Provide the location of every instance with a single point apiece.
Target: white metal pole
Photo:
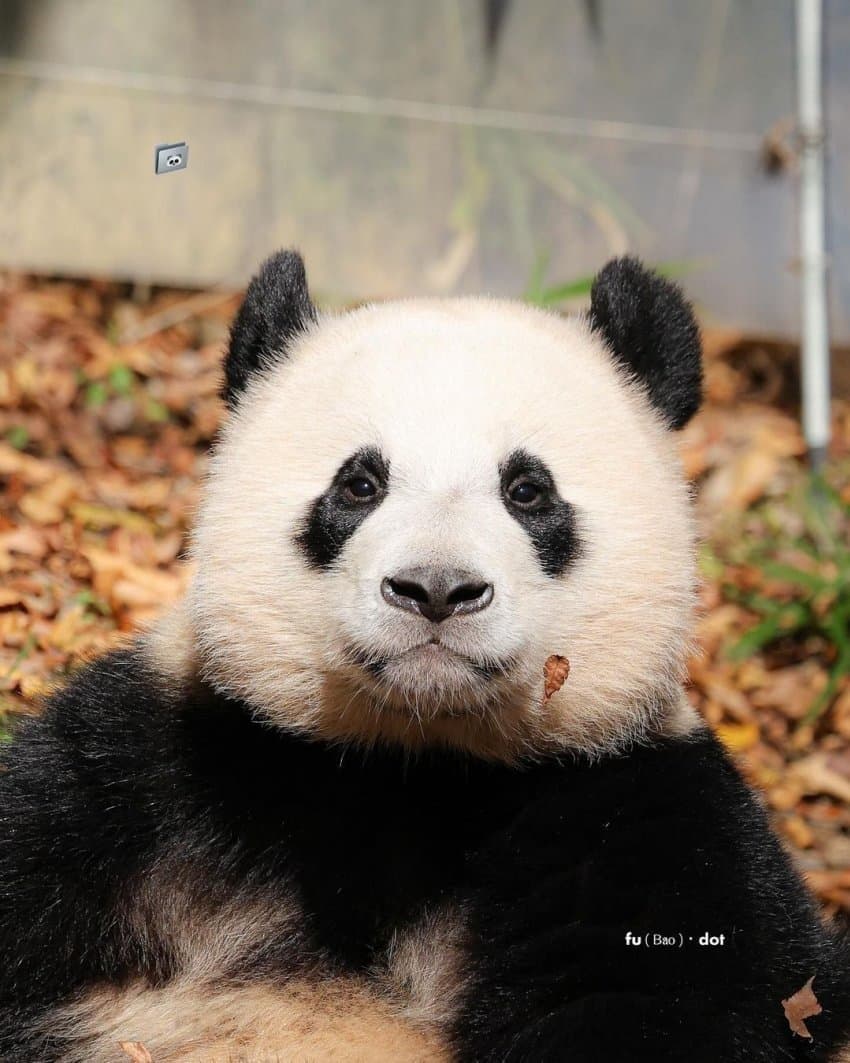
(815, 330)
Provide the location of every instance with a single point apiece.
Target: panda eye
(526, 494)
(360, 489)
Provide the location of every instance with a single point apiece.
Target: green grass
(801, 560)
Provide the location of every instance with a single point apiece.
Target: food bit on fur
(555, 672)
(802, 1005)
(136, 1051)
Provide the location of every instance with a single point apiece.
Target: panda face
(421, 503)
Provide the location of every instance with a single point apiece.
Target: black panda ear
(276, 308)
(650, 328)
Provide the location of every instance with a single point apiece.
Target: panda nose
(437, 593)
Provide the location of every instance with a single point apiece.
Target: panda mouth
(424, 653)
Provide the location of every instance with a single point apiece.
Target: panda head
(414, 504)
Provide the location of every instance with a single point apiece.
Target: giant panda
(327, 808)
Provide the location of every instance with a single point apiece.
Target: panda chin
(433, 678)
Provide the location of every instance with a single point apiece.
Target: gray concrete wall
(378, 138)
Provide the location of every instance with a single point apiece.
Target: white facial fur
(446, 391)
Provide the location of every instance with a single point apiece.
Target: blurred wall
(384, 141)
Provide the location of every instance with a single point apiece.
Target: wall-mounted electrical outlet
(172, 157)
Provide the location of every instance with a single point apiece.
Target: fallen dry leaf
(107, 517)
(738, 737)
(738, 484)
(555, 672)
(817, 776)
(802, 1005)
(798, 831)
(9, 597)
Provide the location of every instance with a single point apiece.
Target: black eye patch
(357, 489)
(531, 497)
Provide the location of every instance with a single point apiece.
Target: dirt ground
(109, 399)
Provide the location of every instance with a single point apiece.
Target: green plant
(18, 436)
(92, 603)
(120, 381)
(539, 293)
(798, 582)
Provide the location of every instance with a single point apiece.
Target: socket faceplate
(170, 157)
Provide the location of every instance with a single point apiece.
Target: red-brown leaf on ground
(555, 672)
(799, 1006)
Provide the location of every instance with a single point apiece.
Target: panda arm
(77, 822)
(666, 841)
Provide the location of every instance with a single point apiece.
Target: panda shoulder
(108, 719)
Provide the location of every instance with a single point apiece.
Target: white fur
(339, 1019)
(446, 390)
(218, 1004)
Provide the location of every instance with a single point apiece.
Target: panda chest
(250, 985)
(365, 879)
(369, 876)
(339, 940)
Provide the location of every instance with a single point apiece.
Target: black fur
(554, 864)
(276, 308)
(552, 528)
(333, 517)
(650, 329)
